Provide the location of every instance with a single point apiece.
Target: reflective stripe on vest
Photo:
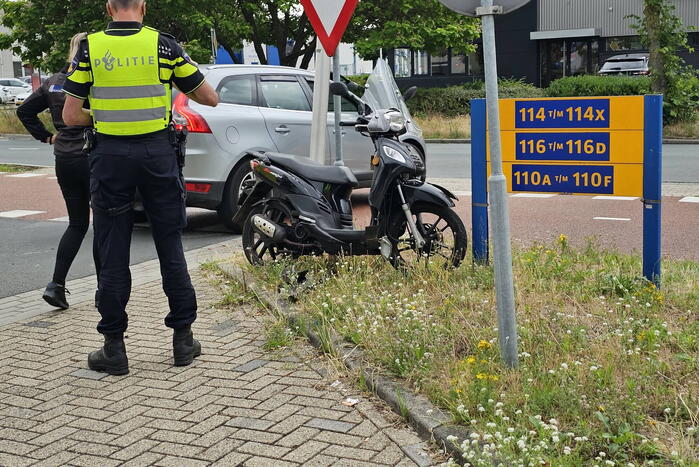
(127, 96)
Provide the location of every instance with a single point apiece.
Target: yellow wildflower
(482, 376)
(471, 360)
(483, 344)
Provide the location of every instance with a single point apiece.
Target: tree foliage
(418, 24)
(41, 29)
(663, 33)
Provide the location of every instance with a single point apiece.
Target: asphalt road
(680, 161)
(28, 249)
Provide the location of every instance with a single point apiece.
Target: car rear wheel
(231, 195)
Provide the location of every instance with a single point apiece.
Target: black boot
(55, 295)
(111, 358)
(185, 347)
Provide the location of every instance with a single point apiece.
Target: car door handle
(283, 129)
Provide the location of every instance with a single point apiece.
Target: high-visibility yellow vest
(127, 96)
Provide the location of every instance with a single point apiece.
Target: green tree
(663, 33)
(40, 31)
(424, 24)
(419, 24)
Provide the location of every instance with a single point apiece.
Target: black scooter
(297, 207)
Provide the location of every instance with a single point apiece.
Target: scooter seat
(314, 171)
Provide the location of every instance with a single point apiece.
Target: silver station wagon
(269, 108)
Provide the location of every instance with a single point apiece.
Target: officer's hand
(52, 140)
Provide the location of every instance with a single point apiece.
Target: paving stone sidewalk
(236, 405)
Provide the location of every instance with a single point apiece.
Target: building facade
(543, 41)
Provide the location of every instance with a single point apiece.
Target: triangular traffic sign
(329, 19)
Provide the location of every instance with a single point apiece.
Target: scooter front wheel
(444, 233)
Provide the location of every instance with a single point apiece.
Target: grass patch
(440, 127)
(10, 168)
(683, 130)
(609, 365)
(278, 335)
(10, 124)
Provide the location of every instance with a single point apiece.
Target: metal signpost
(608, 146)
(329, 19)
(502, 251)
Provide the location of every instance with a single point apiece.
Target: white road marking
(53, 178)
(616, 198)
(463, 193)
(60, 219)
(3, 173)
(19, 213)
(533, 195)
(28, 175)
(621, 219)
(690, 199)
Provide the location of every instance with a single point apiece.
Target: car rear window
(286, 95)
(626, 64)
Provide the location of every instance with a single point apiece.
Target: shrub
(576, 86)
(453, 101)
(681, 104)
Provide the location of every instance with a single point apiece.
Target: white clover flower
(566, 450)
(667, 410)
(593, 368)
(564, 366)
(518, 412)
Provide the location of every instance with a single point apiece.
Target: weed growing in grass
(609, 364)
(278, 335)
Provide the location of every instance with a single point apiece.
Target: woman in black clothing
(72, 171)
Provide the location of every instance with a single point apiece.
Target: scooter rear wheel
(444, 233)
(258, 248)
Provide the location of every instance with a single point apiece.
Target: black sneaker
(185, 347)
(55, 295)
(111, 358)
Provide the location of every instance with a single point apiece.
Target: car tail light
(198, 187)
(195, 122)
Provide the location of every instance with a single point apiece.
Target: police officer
(127, 73)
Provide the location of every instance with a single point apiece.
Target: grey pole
(502, 249)
(337, 105)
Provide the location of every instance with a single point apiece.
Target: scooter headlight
(396, 120)
(394, 154)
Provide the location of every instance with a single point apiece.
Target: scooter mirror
(354, 87)
(339, 89)
(410, 93)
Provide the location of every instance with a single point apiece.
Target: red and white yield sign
(329, 19)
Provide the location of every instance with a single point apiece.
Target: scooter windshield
(382, 91)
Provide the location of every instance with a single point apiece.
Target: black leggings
(73, 175)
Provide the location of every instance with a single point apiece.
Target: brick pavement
(236, 405)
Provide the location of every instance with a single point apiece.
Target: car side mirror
(410, 93)
(339, 89)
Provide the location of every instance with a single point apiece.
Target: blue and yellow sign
(587, 146)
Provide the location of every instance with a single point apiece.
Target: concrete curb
(430, 422)
(11, 136)
(468, 141)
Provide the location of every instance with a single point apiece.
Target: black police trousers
(118, 166)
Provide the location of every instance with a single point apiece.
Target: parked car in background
(14, 87)
(20, 98)
(262, 108)
(627, 64)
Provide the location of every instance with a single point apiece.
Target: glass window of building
(579, 58)
(557, 60)
(594, 57)
(622, 44)
(403, 63)
(422, 63)
(440, 63)
(459, 64)
(475, 63)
